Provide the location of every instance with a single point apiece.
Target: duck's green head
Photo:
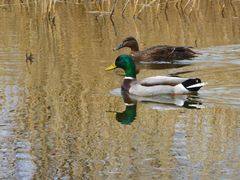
(126, 63)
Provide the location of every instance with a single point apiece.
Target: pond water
(63, 117)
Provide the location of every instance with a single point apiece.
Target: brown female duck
(156, 53)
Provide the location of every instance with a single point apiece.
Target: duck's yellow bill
(111, 67)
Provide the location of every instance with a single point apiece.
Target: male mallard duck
(153, 85)
(156, 53)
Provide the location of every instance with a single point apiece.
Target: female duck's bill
(155, 85)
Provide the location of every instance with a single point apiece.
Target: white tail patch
(197, 106)
(197, 85)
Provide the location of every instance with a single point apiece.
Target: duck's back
(164, 53)
(162, 80)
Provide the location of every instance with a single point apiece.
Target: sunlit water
(64, 117)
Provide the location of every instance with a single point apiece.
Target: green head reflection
(127, 117)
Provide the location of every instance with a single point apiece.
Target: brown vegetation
(107, 7)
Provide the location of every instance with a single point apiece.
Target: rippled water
(64, 117)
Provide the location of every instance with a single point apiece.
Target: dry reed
(108, 7)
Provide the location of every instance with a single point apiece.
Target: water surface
(60, 119)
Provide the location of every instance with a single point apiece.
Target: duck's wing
(169, 48)
(140, 90)
(161, 80)
(166, 52)
(165, 85)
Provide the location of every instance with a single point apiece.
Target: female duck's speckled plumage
(155, 85)
(156, 53)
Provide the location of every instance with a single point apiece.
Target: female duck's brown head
(129, 42)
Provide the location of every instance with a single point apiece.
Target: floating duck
(156, 53)
(155, 85)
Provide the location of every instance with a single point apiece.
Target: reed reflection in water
(54, 119)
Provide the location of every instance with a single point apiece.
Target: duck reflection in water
(165, 102)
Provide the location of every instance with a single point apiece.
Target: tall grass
(108, 7)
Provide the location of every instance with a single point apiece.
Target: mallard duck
(156, 53)
(155, 85)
